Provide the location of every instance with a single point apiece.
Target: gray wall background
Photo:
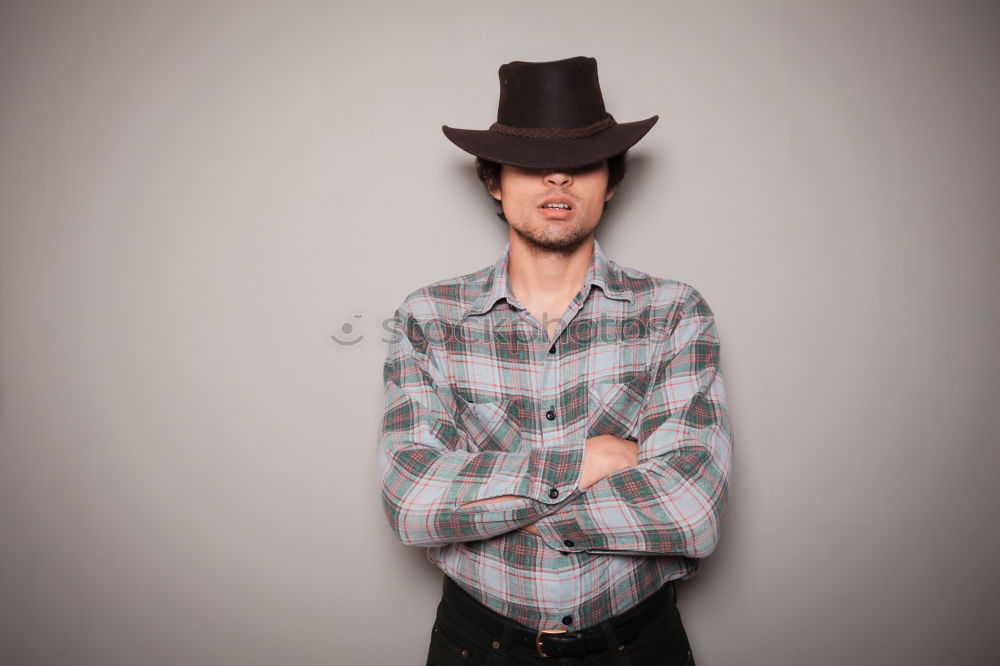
(195, 196)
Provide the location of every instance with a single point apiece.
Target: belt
(563, 642)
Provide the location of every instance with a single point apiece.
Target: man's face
(553, 209)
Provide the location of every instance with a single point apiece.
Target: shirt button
(568, 619)
(553, 493)
(551, 414)
(568, 543)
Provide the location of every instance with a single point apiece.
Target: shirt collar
(601, 272)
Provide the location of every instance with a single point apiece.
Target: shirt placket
(548, 371)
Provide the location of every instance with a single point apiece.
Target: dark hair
(489, 174)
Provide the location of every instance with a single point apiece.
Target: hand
(604, 455)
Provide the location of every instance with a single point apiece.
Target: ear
(610, 193)
(495, 192)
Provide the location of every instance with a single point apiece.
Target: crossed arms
(665, 494)
(602, 455)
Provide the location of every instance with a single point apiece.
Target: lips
(557, 203)
(557, 208)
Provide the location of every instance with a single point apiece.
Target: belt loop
(508, 629)
(500, 649)
(609, 633)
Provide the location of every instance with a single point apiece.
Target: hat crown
(562, 94)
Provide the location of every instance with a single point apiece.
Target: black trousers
(458, 638)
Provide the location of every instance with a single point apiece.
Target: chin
(558, 242)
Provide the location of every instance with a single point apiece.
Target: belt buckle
(538, 640)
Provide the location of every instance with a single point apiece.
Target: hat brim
(534, 153)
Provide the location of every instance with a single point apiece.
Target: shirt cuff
(548, 476)
(560, 531)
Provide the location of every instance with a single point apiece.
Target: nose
(558, 178)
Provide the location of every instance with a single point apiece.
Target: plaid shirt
(480, 403)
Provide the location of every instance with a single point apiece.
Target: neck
(547, 276)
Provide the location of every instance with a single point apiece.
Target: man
(555, 429)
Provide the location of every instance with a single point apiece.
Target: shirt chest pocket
(493, 425)
(614, 409)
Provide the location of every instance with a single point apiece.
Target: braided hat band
(555, 132)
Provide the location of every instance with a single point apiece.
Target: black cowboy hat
(551, 115)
